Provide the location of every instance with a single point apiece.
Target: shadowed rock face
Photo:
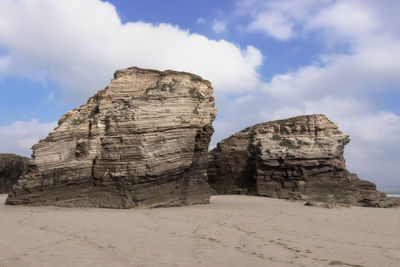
(140, 142)
(11, 167)
(296, 158)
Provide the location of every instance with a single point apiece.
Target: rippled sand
(231, 231)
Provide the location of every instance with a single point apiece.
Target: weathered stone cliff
(11, 167)
(140, 142)
(296, 158)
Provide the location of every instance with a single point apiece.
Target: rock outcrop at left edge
(11, 168)
(140, 142)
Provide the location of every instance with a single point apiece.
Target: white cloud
(219, 26)
(374, 150)
(278, 19)
(200, 20)
(19, 136)
(274, 24)
(4, 62)
(79, 44)
(372, 68)
(346, 19)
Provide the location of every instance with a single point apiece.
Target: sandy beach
(231, 231)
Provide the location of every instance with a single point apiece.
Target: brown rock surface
(11, 167)
(140, 142)
(296, 158)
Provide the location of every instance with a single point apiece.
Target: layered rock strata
(140, 142)
(11, 167)
(296, 158)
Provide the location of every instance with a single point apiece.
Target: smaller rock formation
(140, 142)
(11, 168)
(296, 158)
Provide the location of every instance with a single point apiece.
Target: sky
(266, 60)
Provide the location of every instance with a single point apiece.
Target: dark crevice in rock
(11, 168)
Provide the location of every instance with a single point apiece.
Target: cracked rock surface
(295, 158)
(140, 142)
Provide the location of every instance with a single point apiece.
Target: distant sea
(393, 193)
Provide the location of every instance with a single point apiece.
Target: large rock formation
(140, 142)
(11, 167)
(296, 158)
